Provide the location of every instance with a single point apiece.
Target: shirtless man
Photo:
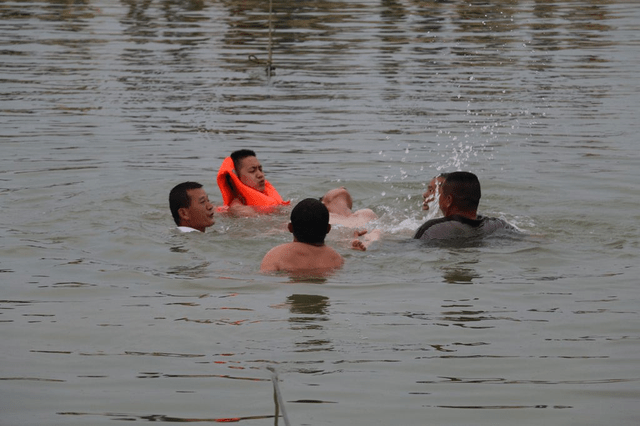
(307, 253)
(190, 207)
(339, 203)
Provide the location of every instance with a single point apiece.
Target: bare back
(301, 257)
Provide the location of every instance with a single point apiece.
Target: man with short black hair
(245, 190)
(308, 252)
(249, 169)
(459, 199)
(190, 207)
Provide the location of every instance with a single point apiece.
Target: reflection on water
(302, 277)
(182, 66)
(199, 270)
(308, 304)
(166, 418)
(456, 274)
(309, 312)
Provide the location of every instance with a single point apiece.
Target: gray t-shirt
(458, 227)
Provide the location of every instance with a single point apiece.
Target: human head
(337, 200)
(248, 168)
(190, 206)
(460, 193)
(433, 188)
(310, 221)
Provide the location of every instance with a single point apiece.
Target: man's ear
(328, 228)
(448, 200)
(290, 227)
(183, 213)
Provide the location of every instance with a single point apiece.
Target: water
(108, 314)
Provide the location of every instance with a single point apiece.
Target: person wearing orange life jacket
(245, 190)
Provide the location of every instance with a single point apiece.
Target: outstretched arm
(237, 208)
(368, 239)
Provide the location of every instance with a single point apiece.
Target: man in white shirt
(190, 207)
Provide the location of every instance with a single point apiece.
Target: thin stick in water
(277, 397)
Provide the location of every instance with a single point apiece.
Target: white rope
(277, 397)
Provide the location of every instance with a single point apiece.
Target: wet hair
(442, 176)
(310, 219)
(464, 188)
(178, 198)
(240, 155)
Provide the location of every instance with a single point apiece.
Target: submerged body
(339, 203)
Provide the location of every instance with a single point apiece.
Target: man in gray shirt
(459, 199)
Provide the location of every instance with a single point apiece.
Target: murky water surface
(107, 314)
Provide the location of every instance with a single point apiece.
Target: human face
(199, 214)
(251, 174)
(433, 189)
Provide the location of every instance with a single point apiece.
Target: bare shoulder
(272, 261)
(282, 249)
(327, 257)
(298, 256)
(333, 253)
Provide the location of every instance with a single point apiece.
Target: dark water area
(108, 314)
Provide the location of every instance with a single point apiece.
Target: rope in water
(277, 398)
(268, 64)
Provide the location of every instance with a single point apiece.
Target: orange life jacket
(252, 197)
